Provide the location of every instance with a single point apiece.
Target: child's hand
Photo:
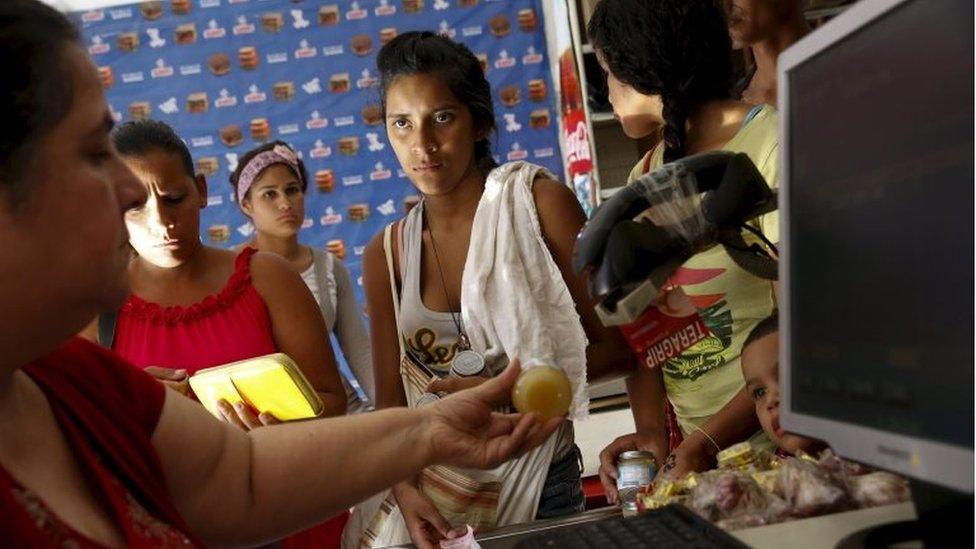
(689, 457)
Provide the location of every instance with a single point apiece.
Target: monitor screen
(880, 169)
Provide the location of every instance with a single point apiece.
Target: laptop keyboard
(670, 526)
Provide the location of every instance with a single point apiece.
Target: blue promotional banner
(229, 75)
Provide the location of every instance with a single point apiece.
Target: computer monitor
(876, 201)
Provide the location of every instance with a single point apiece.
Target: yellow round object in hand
(544, 390)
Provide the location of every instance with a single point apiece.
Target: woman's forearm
(299, 473)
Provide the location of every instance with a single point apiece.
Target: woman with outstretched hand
(95, 452)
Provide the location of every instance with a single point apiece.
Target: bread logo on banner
(339, 83)
(197, 102)
(283, 91)
(537, 90)
(336, 247)
(527, 20)
(387, 34)
(358, 212)
(139, 110)
(186, 34)
(107, 77)
(247, 58)
(219, 64)
(260, 129)
(361, 44)
(510, 95)
(180, 7)
(500, 26)
(329, 15)
(231, 135)
(127, 41)
(218, 234)
(272, 22)
(325, 181)
(539, 118)
(207, 166)
(151, 10)
(372, 115)
(349, 146)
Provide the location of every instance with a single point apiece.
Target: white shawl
(514, 300)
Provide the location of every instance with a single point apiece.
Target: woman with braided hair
(669, 64)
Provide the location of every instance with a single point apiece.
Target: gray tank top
(431, 336)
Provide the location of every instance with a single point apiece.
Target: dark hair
(139, 137)
(249, 155)
(678, 49)
(427, 53)
(766, 326)
(36, 92)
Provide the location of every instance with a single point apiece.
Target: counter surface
(817, 532)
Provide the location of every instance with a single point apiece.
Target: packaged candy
(649, 502)
(737, 456)
(727, 494)
(879, 488)
(834, 464)
(688, 483)
(666, 488)
(753, 488)
(768, 480)
(810, 490)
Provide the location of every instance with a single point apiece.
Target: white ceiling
(75, 5)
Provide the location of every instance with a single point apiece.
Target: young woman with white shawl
(480, 267)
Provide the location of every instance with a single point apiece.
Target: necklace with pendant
(466, 362)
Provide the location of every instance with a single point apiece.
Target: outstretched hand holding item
(463, 430)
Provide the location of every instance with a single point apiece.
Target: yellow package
(270, 383)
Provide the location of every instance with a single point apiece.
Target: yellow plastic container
(270, 383)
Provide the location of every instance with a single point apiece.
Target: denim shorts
(562, 493)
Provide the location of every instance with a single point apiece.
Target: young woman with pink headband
(270, 183)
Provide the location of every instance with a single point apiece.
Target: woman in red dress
(94, 452)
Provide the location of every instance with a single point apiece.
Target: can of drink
(468, 363)
(635, 471)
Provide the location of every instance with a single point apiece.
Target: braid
(675, 131)
(677, 49)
